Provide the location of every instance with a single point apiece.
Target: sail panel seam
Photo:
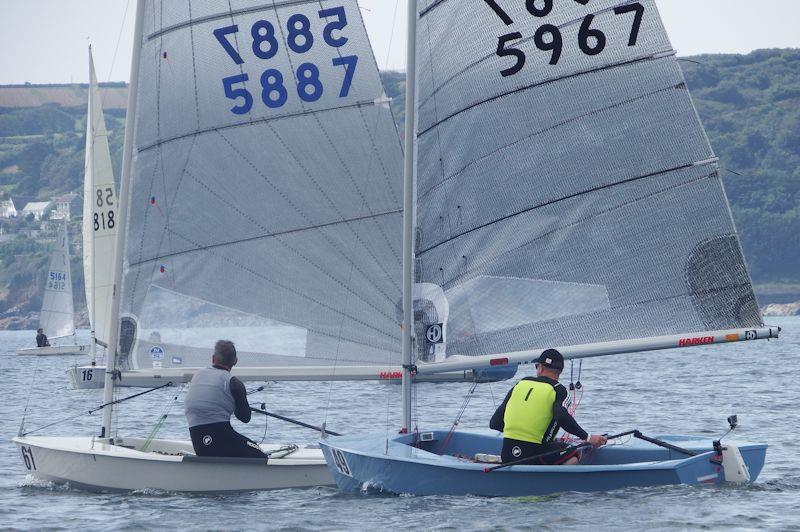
(332, 204)
(152, 145)
(558, 200)
(593, 112)
(272, 6)
(611, 66)
(289, 202)
(260, 237)
(591, 217)
(281, 285)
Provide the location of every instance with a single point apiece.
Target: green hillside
(750, 105)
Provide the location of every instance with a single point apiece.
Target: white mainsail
(265, 200)
(57, 317)
(99, 214)
(567, 193)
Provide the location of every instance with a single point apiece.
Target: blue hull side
(362, 464)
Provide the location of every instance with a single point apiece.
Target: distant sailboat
(99, 233)
(57, 318)
(566, 196)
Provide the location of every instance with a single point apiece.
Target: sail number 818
(104, 209)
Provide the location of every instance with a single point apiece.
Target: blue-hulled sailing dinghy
(422, 469)
(559, 191)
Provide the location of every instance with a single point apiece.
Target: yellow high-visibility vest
(529, 411)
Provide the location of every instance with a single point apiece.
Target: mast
(119, 252)
(88, 188)
(408, 207)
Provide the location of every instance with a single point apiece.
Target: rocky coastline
(782, 309)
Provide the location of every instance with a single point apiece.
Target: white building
(63, 206)
(7, 209)
(38, 208)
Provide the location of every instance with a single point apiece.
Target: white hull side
(88, 377)
(55, 350)
(103, 467)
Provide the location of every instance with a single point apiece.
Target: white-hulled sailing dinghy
(261, 202)
(562, 175)
(58, 312)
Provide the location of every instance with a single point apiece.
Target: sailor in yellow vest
(533, 412)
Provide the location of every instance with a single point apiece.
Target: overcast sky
(44, 41)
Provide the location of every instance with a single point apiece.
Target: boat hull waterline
(370, 464)
(86, 463)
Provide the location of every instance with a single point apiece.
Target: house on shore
(38, 209)
(8, 209)
(65, 206)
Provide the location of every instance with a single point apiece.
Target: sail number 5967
(549, 38)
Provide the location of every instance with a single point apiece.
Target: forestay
(99, 211)
(567, 192)
(57, 309)
(265, 201)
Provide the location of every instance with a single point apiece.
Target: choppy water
(690, 391)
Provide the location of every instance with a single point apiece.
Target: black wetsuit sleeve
(498, 419)
(242, 409)
(563, 417)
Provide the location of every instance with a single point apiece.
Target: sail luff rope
(98, 408)
(163, 418)
(119, 39)
(30, 393)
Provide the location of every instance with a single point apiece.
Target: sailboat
(57, 318)
(99, 233)
(260, 202)
(168, 328)
(563, 181)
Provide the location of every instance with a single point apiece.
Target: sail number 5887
(299, 39)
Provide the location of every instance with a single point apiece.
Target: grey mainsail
(265, 200)
(566, 190)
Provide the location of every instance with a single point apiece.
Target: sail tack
(567, 192)
(265, 197)
(99, 214)
(57, 317)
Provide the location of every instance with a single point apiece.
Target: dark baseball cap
(551, 358)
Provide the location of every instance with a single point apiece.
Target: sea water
(687, 391)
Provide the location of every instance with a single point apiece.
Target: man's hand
(597, 440)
